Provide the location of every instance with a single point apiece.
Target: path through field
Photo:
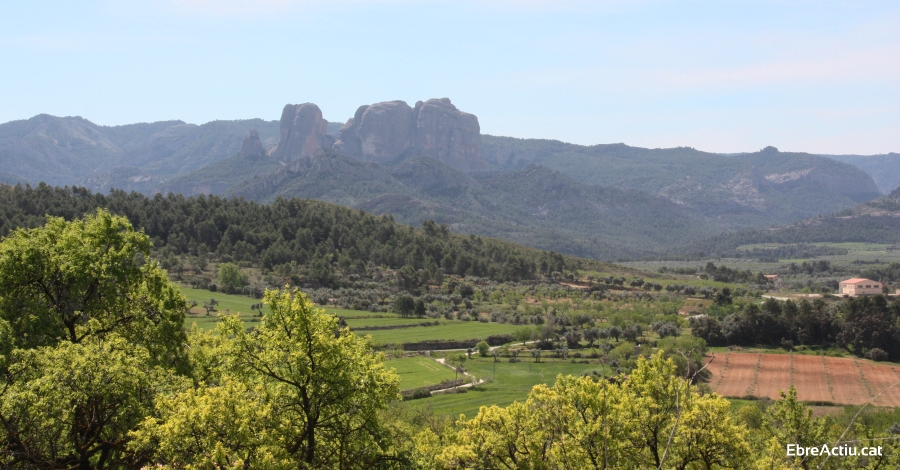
(841, 381)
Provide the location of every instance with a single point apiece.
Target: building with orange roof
(860, 286)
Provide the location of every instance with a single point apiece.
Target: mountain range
(430, 161)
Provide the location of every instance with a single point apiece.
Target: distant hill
(884, 169)
(750, 190)
(73, 150)
(876, 221)
(535, 206)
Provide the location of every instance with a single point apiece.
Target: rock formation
(252, 147)
(392, 131)
(302, 132)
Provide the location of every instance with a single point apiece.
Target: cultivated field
(837, 380)
(419, 371)
(230, 304)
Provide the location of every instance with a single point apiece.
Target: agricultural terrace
(818, 379)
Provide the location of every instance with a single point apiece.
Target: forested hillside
(312, 239)
(876, 221)
(534, 206)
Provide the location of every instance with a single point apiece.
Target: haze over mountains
(875, 221)
(430, 161)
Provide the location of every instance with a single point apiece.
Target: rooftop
(856, 279)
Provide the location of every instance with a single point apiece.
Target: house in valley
(860, 286)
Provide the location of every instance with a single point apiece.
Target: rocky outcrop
(303, 131)
(252, 147)
(447, 134)
(392, 131)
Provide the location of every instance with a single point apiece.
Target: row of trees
(864, 325)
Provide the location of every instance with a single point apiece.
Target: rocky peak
(302, 132)
(252, 147)
(391, 131)
(448, 134)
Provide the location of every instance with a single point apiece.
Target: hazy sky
(721, 76)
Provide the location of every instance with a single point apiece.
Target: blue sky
(720, 76)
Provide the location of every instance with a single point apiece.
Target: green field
(239, 304)
(419, 371)
(513, 382)
(386, 320)
(449, 330)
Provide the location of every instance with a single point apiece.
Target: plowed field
(841, 381)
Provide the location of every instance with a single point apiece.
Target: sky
(719, 76)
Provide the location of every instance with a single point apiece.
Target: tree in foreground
(69, 281)
(296, 392)
(74, 405)
(654, 419)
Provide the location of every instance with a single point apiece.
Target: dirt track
(841, 381)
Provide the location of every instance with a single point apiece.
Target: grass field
(386, 320)
(238, 304)
(512, 382)
(448, 330)
(419, 371)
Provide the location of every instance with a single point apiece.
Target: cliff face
(391, 131)
(447, 134)
(302, 132)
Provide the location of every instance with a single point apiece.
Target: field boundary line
(754, 386)
(791, 373)
(722, 371)
(865, 382)
(828, 378)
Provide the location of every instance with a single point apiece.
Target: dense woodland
(313, 243)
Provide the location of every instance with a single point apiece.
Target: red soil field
(738, 375)
(811, 378)
(774, 375)
(880, 378)
(841, 381)
(847, 386)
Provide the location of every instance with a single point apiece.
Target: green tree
(523, 334)
(231, 278)
(69, 281)
(74, 405)
(457, 360)
(483, 348)
(652, 419)
(420, 308)
(404, 305)
(325, 385)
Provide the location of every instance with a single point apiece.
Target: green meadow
(453, 330)
(506, 382)
(419, 371)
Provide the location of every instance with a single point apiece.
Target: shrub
(877, 354)
(483, 348)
